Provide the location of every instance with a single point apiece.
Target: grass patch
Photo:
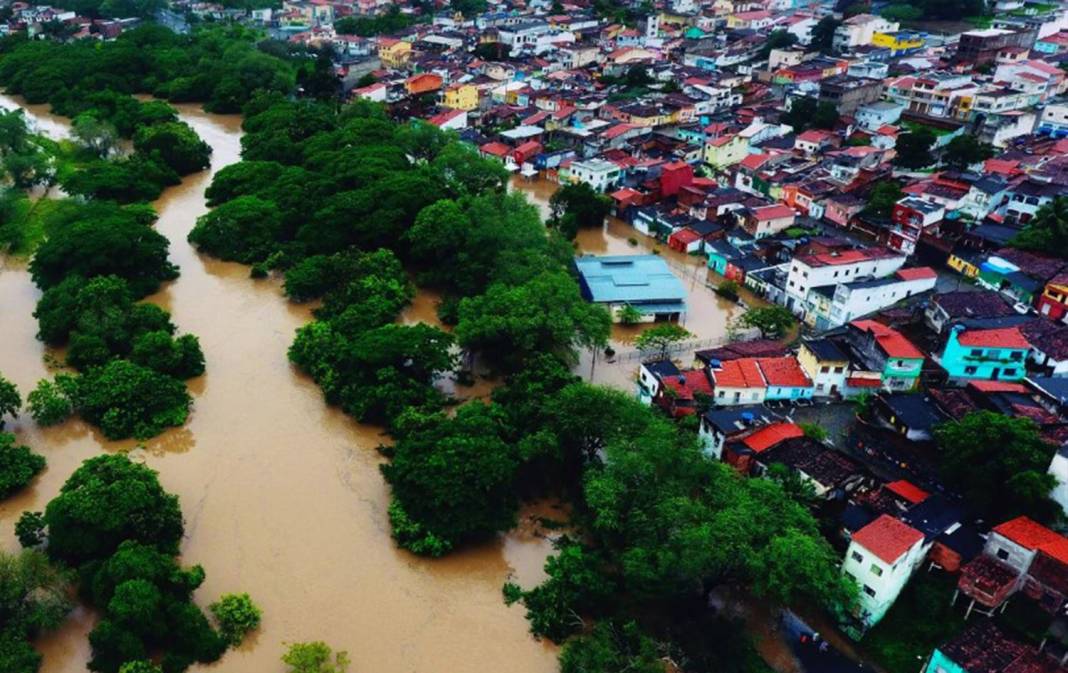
(920, 620)
(917, 126)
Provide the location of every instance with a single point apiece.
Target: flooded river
(281, 494)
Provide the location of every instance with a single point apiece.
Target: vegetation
(965, 150)
(806, 113)
(778, 39)
(1047, 231)
(315, 657)
(1012, 482)
(237, 616)
(661, 338)
(119, 530)
(393, 21)
(18, 465)
(914, 149)
(772, 321)
(823, 35)
(33, 601)
(578, 206)
(920, 620)
(10, 400)
(728, 289)
(882, 198)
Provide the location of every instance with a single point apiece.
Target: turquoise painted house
(984, 648)
(990, 354)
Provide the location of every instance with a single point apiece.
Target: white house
(810, 271)
(737, 382)
(881, 558)
(597, 173)
(858, 31)
(875, 115)
(1058, 467)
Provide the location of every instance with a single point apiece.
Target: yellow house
(461, 97)
(394, 53)
(963, 266)
(726, 151)
(898, 41)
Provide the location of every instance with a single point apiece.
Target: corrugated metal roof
(630, 278)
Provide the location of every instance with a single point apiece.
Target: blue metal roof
(632, 279)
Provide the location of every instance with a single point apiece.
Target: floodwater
(281, 494)
(707, 316)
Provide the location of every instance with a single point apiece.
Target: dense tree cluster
(1047, 231)
(93, 270)
(18, 464)
(33, 601)
(1011, 482)
(578, 206)
(119, 530)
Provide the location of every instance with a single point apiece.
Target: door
(994, 374)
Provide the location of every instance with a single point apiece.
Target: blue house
(992, 354)
(644, 282)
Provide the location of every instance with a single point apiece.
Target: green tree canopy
(546, 314)
(18, 465)
(772, 321)
(1047, 231)
(914, 149)
(965, 150)
(1005, 473)
(108, 500)
(119, 244)
(453, 479)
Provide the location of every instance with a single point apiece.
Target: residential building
(461, 97)
(1020, 555)
(847, 93)
(881, 558)
(394, 53)
(881, 352)
(738, 382)
(718, 426)
(825, 363)
(767, 220)
(644, 282)
(1053, 302)
(935, 94)
(979, 47)
(912, 218)
(993, 354)
(899, 42)
(599, 174)
(860, 30)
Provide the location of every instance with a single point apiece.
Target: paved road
(816, 656)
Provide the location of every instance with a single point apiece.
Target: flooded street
(281, 494)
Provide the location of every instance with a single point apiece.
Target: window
(851, 576)
(876, 570)
(976, 352)
(839, 370)
(857, 557)
(1003, 554)
(824, 369)
(720, 394)
(868, 590)
(970, 370)
(1017, 355)
(1009, 372)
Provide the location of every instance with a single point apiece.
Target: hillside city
(806, 277)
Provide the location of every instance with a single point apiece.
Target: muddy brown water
(281, 494)
(707, 314)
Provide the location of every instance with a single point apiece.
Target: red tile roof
(890, 340)
(1033, 535)
(887, 538)
(784, 371)
(918, 273)
(689, 382)
(860, 382)
(998, 386)
(773, 212)
(765, 438)
(1004, 337)
(741, 373)
(909, 491)
(755, 161)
